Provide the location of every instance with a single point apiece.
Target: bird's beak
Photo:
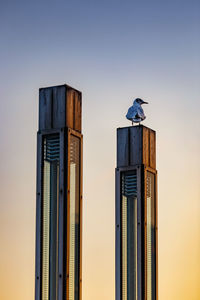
(145, 102)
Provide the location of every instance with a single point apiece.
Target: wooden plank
(135, 145)
(45, 108)
(77, 111)
(145, 233)
(80, 111)
(145, 148)
(76, 121)
(70, 108)
(59, 106)
(122, 147)
(152, 143)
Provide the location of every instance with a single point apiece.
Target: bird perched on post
(135, 112)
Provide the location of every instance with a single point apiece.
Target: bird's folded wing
(131, 112)
(140, 113)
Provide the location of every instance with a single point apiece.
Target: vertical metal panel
(74, 254)
(136, 145)
(139, 232)
(72, 133)
(156, 198)
(54, 211)
(81, 216)
(38, 219)
(153, 171)
(59, 106)
(117, 236)
(68, 214)
(46, 197)
(122, 147)
(118, 241)
(61, 217)
(129, 234)
(45, 108)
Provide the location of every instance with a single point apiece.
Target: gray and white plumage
(135, 112)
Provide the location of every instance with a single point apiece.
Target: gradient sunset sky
(112, 51)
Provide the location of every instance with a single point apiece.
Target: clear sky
(113, 51)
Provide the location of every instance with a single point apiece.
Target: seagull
(135, 112)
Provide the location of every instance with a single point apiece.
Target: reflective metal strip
(45, 233)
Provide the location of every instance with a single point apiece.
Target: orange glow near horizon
(179, 239)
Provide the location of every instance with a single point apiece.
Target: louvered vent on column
(129, 185)
(52, 148)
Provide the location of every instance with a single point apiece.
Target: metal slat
(129, 185)
(52, 148)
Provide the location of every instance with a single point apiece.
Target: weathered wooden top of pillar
(136, 145)
(60, 106)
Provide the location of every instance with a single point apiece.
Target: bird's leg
(132, 123)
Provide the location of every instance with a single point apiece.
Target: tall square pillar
(136, 214)
(58, 274)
